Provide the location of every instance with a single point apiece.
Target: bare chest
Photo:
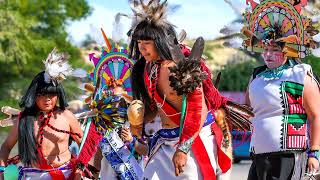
(55, 132)
(167, 93)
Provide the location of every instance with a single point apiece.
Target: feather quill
(235, 42)
(232, 28)
(154, 11)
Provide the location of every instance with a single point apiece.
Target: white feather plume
(57, 67)
(232, 28)
(80, 73)
(235, 42)
(316, 52)
(117, 30)
(95, 33)
(237, 8)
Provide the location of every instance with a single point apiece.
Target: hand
(78, 175)
(136, 130)
(126, 135)
(179, 160)
(313, 165)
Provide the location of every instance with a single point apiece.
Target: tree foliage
(236, 76)
(29, 30)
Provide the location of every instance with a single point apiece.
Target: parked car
(241, 145)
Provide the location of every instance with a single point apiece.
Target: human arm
(180, 156)
(74, 126)
(311, 103)
(247, 98)
(8, 144)
(195, 115)
(140, 147)
(97, 162)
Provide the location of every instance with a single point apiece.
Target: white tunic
(278, 124)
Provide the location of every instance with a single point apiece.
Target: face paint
(273, 58)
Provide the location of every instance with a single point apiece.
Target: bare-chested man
(42, 132)
(177, 151)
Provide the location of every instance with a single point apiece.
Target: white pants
(45, 175)
(106, 171)
(160, 165)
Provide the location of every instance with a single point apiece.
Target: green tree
(236, 76)
(29, 30)
(315, 63)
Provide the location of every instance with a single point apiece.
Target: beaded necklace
(154, 76)
(44, 119)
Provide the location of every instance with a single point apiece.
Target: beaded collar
(274, 74)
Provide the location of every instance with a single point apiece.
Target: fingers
(177, 172)
(178, 167)
(125, 131)
(126, 134)
(313, 165)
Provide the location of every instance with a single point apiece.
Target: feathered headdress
(57, 67)
(282, 22)
(154, 11)
(111, 70)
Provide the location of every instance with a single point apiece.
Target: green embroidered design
(294, 125)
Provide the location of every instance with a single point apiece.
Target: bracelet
(2, 168)
(186, 146)
(314, 154)
(132, 143)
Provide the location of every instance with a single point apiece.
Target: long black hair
(27, 144)
(147, 30)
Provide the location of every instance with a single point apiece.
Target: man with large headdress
(111, 91)
(180, 90)
(284, 94)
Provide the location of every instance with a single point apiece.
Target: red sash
(198, 147)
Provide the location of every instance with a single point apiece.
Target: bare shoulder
(168, 63)
(165, 65)
(311, 86)
(68, 115)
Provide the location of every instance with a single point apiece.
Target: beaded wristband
(314, 154)
(132, 143)
(2, 168)
(186, 146)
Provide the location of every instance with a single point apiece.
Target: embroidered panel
(294, 126)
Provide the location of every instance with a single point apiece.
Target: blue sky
(198, 17)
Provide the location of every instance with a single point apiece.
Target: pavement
(240, 170)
